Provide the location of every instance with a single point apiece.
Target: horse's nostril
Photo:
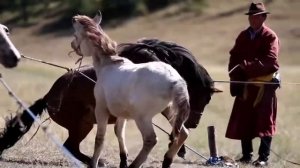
(16, 59)
(73, 20)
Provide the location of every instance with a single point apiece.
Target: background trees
(26, 12)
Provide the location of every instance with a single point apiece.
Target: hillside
(209, 35)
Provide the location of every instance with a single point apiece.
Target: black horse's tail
(19, 125)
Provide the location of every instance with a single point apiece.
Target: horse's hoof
(101, 163)
(181, 152)
(132, 166)
(123, 163)
(167, 163)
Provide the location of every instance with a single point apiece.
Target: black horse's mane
(179, 57)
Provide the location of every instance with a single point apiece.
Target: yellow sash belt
(266, 78)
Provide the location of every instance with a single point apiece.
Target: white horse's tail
(180, 105)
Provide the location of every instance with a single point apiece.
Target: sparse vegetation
(209, 36)
(27, 11)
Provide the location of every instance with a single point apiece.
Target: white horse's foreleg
(149, 141)
(101, 115)
(174, 148)
(120, 133)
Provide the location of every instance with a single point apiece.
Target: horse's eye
(6, 30)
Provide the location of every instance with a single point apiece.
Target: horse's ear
(98, 17)
(216, 90)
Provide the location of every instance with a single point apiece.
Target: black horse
(70, 102)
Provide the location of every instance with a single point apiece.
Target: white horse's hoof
(101, 163)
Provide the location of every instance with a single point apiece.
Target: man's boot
(247, 150)
(264, 152)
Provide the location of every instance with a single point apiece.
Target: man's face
(256, 21)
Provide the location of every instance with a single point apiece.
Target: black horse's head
(200, 84)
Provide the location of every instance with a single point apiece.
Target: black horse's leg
(74, 140)
(181, 153)
(74, 150)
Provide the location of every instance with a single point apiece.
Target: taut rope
(44, 62)
(217, 81)
(69, 69)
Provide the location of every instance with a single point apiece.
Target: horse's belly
(136, 108)
(118, 110)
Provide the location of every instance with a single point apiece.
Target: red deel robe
(259, 57)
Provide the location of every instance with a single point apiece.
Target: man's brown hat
(257, 9)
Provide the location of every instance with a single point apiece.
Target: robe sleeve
(235, 72)
(266, 62)
(234, 69)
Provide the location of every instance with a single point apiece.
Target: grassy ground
(209, 36)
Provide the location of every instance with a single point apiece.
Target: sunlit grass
(210, 40)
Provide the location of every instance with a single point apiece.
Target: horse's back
(67, 103)
(131, 88)
(199, 82)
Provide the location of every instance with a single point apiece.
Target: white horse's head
(89, 36)
(9, 55)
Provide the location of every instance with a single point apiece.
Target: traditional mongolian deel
(257, 113)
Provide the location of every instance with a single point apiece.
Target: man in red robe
(254, 57)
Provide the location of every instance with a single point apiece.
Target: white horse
(9, 55)
(131, 91)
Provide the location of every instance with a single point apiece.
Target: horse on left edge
(9, 55)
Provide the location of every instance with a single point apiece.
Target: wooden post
(212, 142)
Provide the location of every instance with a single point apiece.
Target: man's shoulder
(268, 32)
(243, 33)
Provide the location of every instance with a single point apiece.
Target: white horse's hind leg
(149, 141)
(120, 133)
(101, 115)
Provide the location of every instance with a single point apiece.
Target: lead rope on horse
(75, 162)
(216, 81)
(183, 144)
(160, 128)
(78, 70)
(47, 119)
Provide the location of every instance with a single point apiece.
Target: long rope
(44, 62)
(69, 69)
(257, 82)
(217, 81)
(183, 144)
(75, 162)
(276, 154)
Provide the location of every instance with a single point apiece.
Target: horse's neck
(100, 61)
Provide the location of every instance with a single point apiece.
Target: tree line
(26, 10)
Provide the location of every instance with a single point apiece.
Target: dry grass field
(209, 36)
